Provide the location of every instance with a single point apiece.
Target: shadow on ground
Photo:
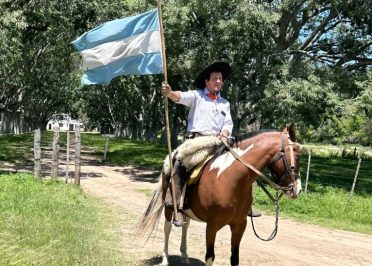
(140, 174)
(173, 260)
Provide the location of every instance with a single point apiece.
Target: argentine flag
(125, 46)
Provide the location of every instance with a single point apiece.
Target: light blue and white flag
(125, 46)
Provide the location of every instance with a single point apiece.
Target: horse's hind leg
(184, 255)
(237, 231)
(210, 239)
(167, 230)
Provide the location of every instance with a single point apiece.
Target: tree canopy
(301, 61)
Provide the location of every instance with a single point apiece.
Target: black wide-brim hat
(222, 67)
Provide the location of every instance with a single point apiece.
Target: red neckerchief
(212, 96)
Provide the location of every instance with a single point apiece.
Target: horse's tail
(151, 217)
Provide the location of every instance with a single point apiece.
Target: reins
(275, 230)
(279, 189)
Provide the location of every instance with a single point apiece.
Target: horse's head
(285, 166)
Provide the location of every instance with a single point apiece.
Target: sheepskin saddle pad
(193, 151)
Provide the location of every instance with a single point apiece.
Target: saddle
(198, 170)
(193, 152)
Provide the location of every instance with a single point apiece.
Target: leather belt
(192, 135)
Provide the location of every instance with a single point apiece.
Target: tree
(293, 61)
(40, 77)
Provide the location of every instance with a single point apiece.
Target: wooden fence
(56, 153)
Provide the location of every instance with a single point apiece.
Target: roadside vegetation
(52, 223)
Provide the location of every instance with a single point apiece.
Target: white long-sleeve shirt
(206, 116)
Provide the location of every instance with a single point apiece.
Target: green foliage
(301, 100)
(128, 152)
(51, 223)
(350, 120)
(36, 37)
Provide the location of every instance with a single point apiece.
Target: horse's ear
(291, 131)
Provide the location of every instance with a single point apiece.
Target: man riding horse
(209, 115)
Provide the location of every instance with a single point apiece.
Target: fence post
(77, 156)
(37, 155)
(308, 171)
(67, 153)
(355, 178)
(106, 148)
(55, 154)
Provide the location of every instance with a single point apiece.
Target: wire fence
(338, 172)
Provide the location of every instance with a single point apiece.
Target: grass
(16, 148)
(329, 207)
(52, 223)
(128, 152)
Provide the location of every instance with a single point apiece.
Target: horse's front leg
(210, 239)
(184, 255)
(237, 231)
(167, 230)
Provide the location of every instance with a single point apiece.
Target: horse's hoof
(164, 263)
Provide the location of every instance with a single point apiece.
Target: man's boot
(168, 202)
(179, 178)
(252, 213)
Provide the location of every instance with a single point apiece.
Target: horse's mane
(248, 135)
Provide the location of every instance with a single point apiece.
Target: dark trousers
(180, 176)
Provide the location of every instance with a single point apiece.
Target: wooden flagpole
(166, 111)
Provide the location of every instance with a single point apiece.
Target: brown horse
(223, 194)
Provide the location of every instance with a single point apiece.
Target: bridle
(289, 168)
